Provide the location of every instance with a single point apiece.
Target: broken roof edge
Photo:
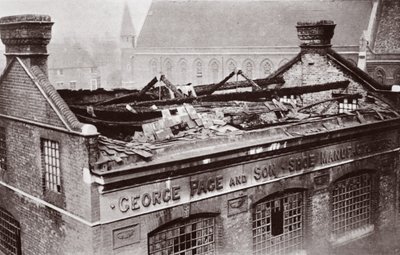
(241, 149)
(284, 67)
(360, 74)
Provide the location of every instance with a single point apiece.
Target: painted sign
(157, 196)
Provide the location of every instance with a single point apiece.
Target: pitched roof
(127, 27)
(69, 56)
(388, 35)
(236, 23)
(49, 92)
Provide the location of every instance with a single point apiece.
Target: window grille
(9, 234)
(347, 105)
(194, 237)
(278, 225)
(51, 164)
(3, 149)
(351, 204)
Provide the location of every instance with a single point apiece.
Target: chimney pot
(315, 34)
(27, 37)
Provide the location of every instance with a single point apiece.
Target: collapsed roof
(166, 121)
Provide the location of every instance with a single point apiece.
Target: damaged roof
(316, 92)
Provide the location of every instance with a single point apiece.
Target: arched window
(183, 67)
(231, 66)
(249, 69)
(380, 75)
(199, 72)
(10, 242)
(214, 71)
(266, 68)
(192, 236)
(278, 224)
(351, 204)
(396, 77)
(153, 67)
(168, 69)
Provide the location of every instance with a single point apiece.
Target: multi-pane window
(153, 67)
(347, 105)
(288, 99)
(51, 165)
(278, 224)
(194, 236)
(249, 70)
(351, 204)
(72, 85)
(3, 149)
(183, 72)
(214, 71)
(168, 69)
(266, 68)
(93, 84)
(10, 242)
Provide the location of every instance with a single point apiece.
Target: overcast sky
(80, 18)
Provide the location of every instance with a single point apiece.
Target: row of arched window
(380, 75)
(278, 221)
(199, 72)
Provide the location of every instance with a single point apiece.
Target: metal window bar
(292, 99)
(291, 239)
(51, 157)
(351, 200)
(347, 106)
(3, 149)
(194, 237)
(9, 234)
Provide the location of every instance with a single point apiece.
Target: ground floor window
(9, 234)
(190, 237)
(278, 224)
(351, 204)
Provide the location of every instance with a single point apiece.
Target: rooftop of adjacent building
(247, 23)
(388, 36)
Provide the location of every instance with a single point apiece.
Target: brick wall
(234, 231)
(19, 97)
(43, 229)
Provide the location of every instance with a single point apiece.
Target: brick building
(72, 67)
(211, 38)
(305, 161)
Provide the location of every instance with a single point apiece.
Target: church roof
(127, 27)
(388, 35)
(248, 23)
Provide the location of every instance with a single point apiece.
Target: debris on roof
(138, 125)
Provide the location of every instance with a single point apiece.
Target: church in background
(201, 42)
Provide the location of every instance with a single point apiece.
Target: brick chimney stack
(315, 35)
(26, 37)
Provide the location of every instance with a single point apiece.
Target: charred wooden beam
(172, 87)
(130, 97)
(215, 87)
(147, 87)
(265, 94)
(253, 84)
(206, 88)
